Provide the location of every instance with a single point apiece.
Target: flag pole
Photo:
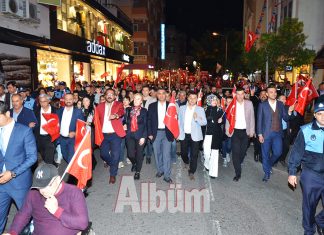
(199, 96)
(72, 160)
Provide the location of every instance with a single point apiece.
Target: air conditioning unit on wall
(14, 8)
(33, 12)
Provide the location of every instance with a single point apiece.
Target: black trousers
(46, 148)
(239, 147)
(135, 152)
(194, 150)
(285, 145)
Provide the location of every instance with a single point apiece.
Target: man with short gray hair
(44, 143)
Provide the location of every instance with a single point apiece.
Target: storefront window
(81, 71)
(53, 67)
(80, 19)
(98, 70)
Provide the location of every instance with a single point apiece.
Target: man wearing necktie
(17, 155)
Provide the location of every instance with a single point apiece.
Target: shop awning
(139, 67)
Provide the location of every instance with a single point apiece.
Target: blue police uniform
(59, 94)
(308, 151)
(30, 103)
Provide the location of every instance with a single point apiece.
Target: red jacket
(117, 108)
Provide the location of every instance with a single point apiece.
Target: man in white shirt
(68, 116)
(243, 130)
(44, 141)
(160, 135)
(191, 119)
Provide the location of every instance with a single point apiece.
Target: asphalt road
(249, 206)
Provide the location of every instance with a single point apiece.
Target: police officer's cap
(319, 106)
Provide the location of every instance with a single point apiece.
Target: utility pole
(267, 27)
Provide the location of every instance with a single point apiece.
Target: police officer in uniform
(308, 151)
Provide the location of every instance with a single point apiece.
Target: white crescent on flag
(302, 92)
(82, 155)
(231, 111)
(170, 105)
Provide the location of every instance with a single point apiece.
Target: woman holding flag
(213, 136)
(136, 134)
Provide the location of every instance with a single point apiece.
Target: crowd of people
(132, 123)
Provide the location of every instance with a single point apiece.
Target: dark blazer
(153, 122)
(21, 154)
(7, 100)
(76, 114)
(141, 123)
(37, 112)
(25, 117)
(265, 117)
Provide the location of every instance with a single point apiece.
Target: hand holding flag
(52, 127)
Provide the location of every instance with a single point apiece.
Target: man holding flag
(241, 126)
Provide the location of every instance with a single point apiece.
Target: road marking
(216, 228)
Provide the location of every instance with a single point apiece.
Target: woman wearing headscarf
(213, 135)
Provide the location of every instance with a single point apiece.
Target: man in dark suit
(68, 117)
(21, 114)
(270, 130)
(17, 154)
(160, 135)
(44, 141)
(12, 89)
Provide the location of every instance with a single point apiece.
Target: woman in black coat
(213, 135)
(136, 134)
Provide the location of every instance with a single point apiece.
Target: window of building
(78, 18)
(53, 67)
(97, 70)
(135, 50)
(135, 27)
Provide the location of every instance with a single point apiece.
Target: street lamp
(215, 34)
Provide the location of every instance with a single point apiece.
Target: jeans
(226, 147)
(174, 151)
(67, 148)
(313, 191)
(110, 150)
(162, 150)
(194, 150)
(272, 142)
(122, 150)
(239, 146)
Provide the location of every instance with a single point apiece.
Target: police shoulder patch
(313, 137)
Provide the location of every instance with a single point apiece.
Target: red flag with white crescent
(171, 118)
(231, 115)
(81, 130)
(199, 100)
(251, 37)
(81, 164)
(98, 128)
(302, 99)
(52, 127)
(223, 103)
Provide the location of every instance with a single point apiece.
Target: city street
(248, 207)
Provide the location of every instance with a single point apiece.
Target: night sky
(194, 18)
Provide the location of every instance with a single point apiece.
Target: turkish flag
(119, 73)
(223, 103)
(291, 99)
(251, 37)
(81, 164)
(231, 115)
(62, 102)
(81, 129)
(52, 127)
(199, 100)
(234, 91)
(302, 98)
(171, 118)
(98, 129)
(313, 94)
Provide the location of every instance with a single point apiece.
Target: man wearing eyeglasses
(56, 208)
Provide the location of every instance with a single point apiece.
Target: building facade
(309, 12)
(78, 40)
(147, 17)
